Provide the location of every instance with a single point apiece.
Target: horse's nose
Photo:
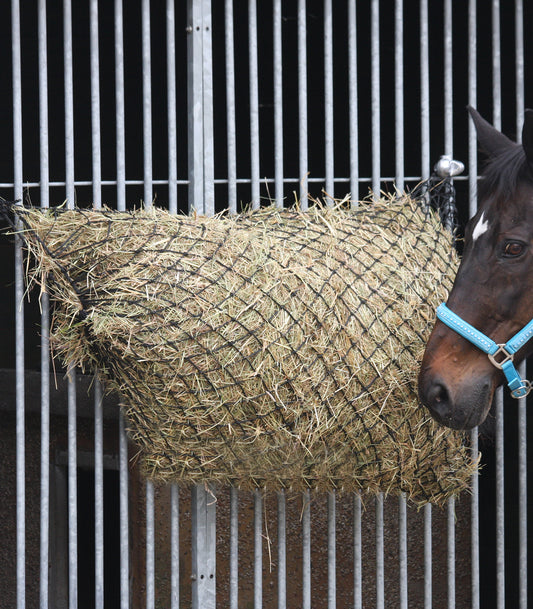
(437, 399)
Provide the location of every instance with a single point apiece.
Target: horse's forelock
(504, 173)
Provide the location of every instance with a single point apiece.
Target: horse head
(493, 289)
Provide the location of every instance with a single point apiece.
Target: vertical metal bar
(451, 553)
(402, 539)
(45, 316)
(98, 496)
(306, 550)
(353, 101)
(124, 516)
(328, 100)
(522, 498)
(234, 549)
(496, 66)
(119, 107)
(376, 99)
(171, 110)
(380, 554)
(357, 553)
(399, 99)
(254, 101)
(448, 78)
(230, 108)
(147, 104)
(150, 546)
(282, 552)
(500, 503)
(278, 103)
(472, 205)
(195, 107)
(203, 522)
(522, 403)
(121, 205)
(98, 394)
(258, 550)
(174, 548)
(428, 558)
(71, 373)
(332, 566)
(19, 311)
(207, 105)
(424, 90)
(302, 103)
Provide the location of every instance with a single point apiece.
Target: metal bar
(282, 552)
(522, 403)
(230, 108)
(147, 104)
(451, 553)
(402, 539)
(171, 110)
(302, 103)
(234, 549)
(258, 549)
(254, 101)
(380, 554)
(328, 100)
(98, 394)
(399, 97)
(72, 491)
(203, 522)
(207, 105)
(45, 318)
(448, 78)
(500, 502)
(174, 547)
(119, 107)
(150, 546)
(424, 90)
(69, 103)
(124, 516)
(306, 550)
(522, 498)
(428, 558)
(332, 566)
(357, 554)
(98, 496)
(353, 101)
(376, 95)
(496, 67)
(19, 312)
(474, 525)
(277, 65)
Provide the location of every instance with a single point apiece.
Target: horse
(482, 333)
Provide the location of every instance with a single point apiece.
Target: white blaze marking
(480, 228)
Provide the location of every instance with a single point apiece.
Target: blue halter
(519, 387)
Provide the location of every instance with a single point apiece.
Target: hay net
(275, 348)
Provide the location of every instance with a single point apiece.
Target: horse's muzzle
(464, 407)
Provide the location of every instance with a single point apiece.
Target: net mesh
(275, 348)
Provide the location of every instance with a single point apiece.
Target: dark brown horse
(493, 290)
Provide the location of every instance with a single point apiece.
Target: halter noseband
(519, 387)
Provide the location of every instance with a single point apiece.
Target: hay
(277, 348)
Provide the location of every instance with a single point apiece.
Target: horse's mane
(503, 173)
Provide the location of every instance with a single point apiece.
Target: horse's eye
(512, 249)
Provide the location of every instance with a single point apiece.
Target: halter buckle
(500, 351)
(523, 390)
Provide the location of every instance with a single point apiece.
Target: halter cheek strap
(501, 355)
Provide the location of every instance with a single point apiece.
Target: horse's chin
(464, 408)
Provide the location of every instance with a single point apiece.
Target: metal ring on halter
(523, 391)
(506, 356)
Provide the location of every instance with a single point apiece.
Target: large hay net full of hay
(275, 348)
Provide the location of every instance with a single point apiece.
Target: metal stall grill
(205, 106)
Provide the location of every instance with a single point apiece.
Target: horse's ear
(491, 140)
(527, 136)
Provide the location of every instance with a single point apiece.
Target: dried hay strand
(276, 348)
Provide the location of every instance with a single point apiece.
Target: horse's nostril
(439, 401)
(440, 394)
